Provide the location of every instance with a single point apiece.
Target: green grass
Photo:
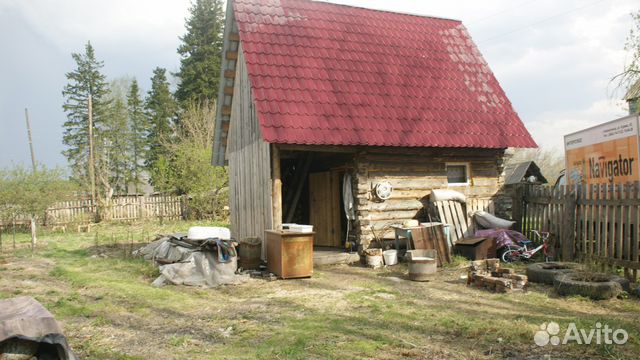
(104, 300)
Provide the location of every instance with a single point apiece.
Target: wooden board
(324, 208)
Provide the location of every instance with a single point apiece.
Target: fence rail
(598, 222)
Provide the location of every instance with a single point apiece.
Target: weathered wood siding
(413, 174)
(249, 164)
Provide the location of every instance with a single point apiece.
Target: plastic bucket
(374, 258)
(249, 250)
(374, 261)
(390, 257)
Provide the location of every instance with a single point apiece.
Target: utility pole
(33, 155)
(91, 163)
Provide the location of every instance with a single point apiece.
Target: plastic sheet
(489, 221)
(503, 237)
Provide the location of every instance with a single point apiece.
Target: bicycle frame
(528, 253)
(522, 253)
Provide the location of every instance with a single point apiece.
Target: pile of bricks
(488, 274)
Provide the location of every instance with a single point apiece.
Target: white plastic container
(297, 228)
(208, 232)
(390, 257)
(374, 258)
(302, 228)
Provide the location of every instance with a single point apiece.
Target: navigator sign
(604, 154)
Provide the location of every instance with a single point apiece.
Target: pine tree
(161, 109)
(139, 127)
(113, 149)
(201, 51)
(85, 80)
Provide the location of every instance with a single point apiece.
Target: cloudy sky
(554, 58)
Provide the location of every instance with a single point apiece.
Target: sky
(554, 59)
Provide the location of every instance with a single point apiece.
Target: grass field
(104, 301)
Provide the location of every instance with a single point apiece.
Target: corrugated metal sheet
(331, 74)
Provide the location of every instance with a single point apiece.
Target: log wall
(413, 174)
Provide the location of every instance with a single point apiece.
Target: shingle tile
(331, 74)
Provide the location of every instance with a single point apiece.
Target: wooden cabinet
(290, 254)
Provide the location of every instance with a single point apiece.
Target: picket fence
(594, 223)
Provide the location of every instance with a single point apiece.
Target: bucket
(390, 257)
(374, 258)
(249, 251)
(422, 264)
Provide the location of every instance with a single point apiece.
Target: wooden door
(324, 212)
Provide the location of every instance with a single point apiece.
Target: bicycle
(522, 253)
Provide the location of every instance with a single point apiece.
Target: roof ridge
(383, 10)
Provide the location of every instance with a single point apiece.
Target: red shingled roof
(331, 74)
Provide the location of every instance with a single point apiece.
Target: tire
(601, 287)
(545, 272)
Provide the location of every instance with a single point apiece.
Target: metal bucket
(422, 264)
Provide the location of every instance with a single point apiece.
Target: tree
(114, 148)
(201, 50)
(631, 73)
(161, 108)
(139, 131)
(86, 80)
(29, 193)
(190, 154)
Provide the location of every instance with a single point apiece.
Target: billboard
(604, 154)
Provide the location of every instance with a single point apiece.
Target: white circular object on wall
(383, 190)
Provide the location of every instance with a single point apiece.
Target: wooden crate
(290, 254)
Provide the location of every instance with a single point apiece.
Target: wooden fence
(595, 223)
(122, 208)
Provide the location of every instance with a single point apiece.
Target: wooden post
(91, 160)
(568, 237)
(516, 206)
(300, 179)
(34, 240)
(33, 155)
(141, 208)
(276, 194)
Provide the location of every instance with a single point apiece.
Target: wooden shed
(319, 100)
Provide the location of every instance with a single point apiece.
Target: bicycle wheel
(510, 255)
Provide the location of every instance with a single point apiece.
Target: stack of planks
(459, 215)
(432, 237)
(487, 274)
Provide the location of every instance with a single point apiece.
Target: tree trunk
(34, 240)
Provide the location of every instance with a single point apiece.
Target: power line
(539, 22)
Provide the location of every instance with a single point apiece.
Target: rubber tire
(566, 284)
(545, 272)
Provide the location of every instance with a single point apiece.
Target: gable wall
(249, 164)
